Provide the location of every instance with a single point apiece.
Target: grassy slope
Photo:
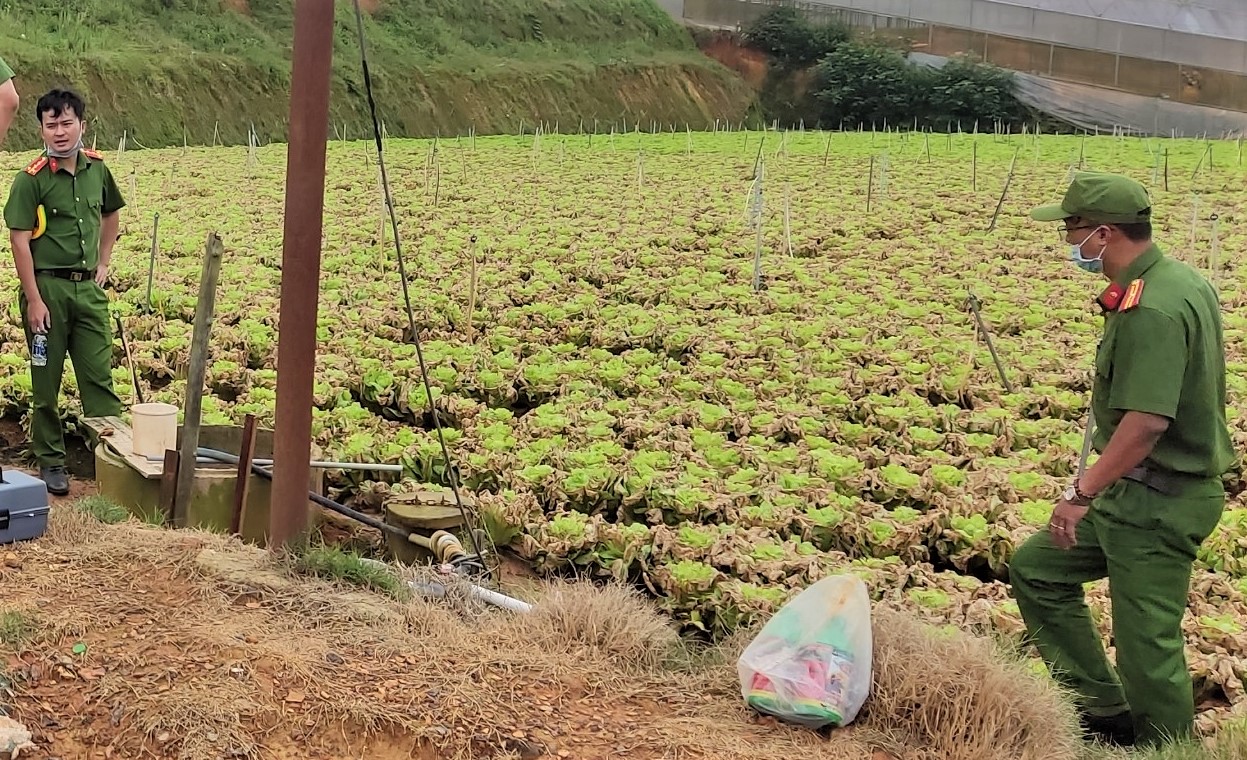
(440, 66)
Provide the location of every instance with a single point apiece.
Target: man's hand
(1064, 523)
(101, 275)
(39, 317)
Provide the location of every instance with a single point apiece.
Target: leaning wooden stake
(1008, 180)
(125, 347)
(976, 308)
(200, 338)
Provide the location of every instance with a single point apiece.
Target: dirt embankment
(727, 48)
(121, 641)
(164, 98)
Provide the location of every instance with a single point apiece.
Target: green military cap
(1100, 197)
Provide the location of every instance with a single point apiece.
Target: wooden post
(243, 484)
(169, 485)
(200, 339)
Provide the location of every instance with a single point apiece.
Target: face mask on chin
(71, 151)
(1095, 266)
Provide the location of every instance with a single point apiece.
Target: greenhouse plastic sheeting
(1211, 18)
(1093, 108)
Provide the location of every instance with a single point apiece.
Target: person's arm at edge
(9, 103)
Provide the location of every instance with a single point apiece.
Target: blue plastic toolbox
(23, 507)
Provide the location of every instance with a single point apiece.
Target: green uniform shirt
(1165, 357)
(73, 205)
(6, 73)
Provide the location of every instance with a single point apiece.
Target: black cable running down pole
(402, 272)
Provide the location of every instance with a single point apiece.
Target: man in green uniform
(1139, 514)
(8, 100)
(62, 215)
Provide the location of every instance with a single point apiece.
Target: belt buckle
(77, 276)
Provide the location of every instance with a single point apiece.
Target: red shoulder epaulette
(1110, 299)
(1134, 294)
(93, 154)
(37, 165)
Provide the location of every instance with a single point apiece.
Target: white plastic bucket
(154, 428)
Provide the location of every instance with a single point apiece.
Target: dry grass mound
(610, 622)
(155, 643)
(961, 697)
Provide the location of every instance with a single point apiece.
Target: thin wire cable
(402, 272)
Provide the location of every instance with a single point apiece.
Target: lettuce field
(624, 403)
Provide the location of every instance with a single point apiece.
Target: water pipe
(438, 591)
(444, 546)
(204, 456)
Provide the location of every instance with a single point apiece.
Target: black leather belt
(73, 275)
(1167, 482)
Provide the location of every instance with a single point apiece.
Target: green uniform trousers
(80, 327)
(1145, 543)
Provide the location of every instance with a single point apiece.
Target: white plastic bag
(811, 663)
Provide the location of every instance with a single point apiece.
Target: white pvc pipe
(438, 590)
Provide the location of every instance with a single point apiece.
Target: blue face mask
(1095, 266)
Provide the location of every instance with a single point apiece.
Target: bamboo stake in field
(827, 150)
(976, 308)
(1207, 153)
(974, 165)
(472, 284)
(870, 185)
(1194, 223)
(1008, 180)
(383, 220)
(788, 219)
(1166, 170)
(151, 264)
(437, 183)
(926, 138)
(1214, 253)
(756, 208)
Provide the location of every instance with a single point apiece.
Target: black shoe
(1113, 730)
(56, 479)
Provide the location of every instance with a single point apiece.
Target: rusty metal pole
(300, 271)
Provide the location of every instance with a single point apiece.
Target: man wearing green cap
(8, 100)
(1139, 514)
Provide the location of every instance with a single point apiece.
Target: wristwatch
(1076, 497)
